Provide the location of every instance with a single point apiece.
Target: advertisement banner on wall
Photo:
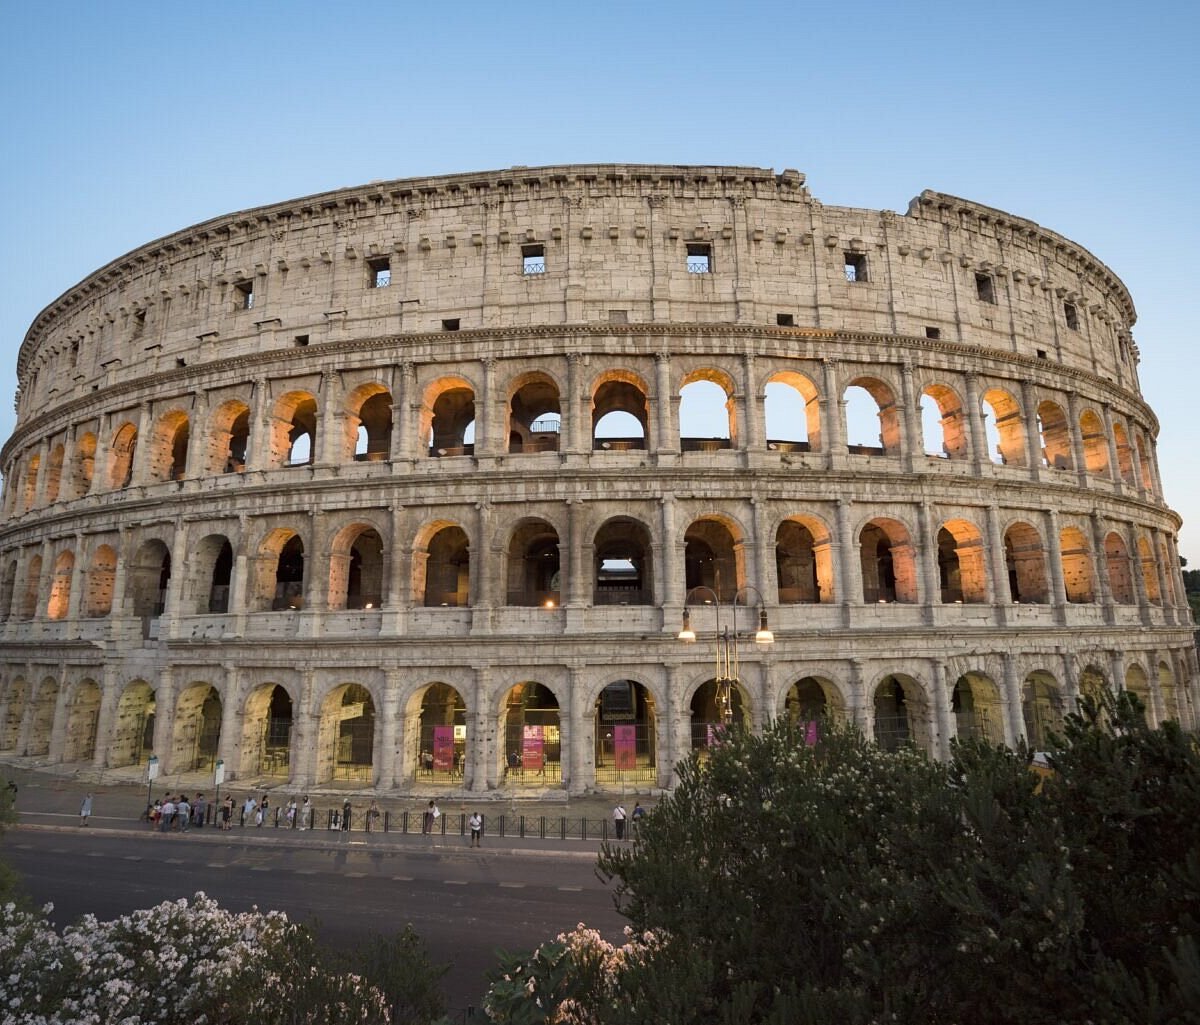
(443, 748)
(625, 746)
(533, 746)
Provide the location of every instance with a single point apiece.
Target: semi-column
(1033, 431)
(912, 451)
(666, 407)
(1100, 568)
(1012, 700)
(752, 408)
(481, 768)
(574, 732)
(199, 430)
(389, 735)
(850, 571)
(977, 432)
(941, 707)
(329, 441)
(229, 745)
(833, 417)
(164, 719)
(1054, 554)
(575, 411)
(1075, 434)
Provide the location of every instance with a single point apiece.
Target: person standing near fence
(476, 824)
(306, 813)
(619, 821)
(346, 815)
(85, 810)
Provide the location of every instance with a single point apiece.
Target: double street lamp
(725, 641)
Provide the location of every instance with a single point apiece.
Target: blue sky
(123, 122)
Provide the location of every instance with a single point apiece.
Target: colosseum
(412, 486)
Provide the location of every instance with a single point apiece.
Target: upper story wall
(579, 244)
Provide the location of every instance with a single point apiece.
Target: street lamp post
(725, 643)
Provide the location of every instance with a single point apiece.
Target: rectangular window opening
(784, 320)
(379, 271)
(699, 258)
(244, 294)
(618, 316)
(985, 288)
(301, 341)
(856, 267)
(451, 324)
(533, 259)
(1072, 315)
(933, 333)
(1041, 354)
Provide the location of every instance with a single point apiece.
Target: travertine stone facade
(402, 484)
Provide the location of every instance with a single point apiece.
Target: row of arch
(887, 563)
(987, 423)
(520, 739)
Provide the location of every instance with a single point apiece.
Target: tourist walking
(619, 821)
(248, 809)
(85, 810)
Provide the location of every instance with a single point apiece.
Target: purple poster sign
(810, 733)
(625, 746)
(532, 747)
(443, 748)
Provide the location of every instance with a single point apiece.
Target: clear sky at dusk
(123, 122)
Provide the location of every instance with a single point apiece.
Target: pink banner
(811, 734)
(443, 748)
(625, 746)
(532, 747)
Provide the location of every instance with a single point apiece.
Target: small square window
(618, 316)
(243, 293)
(856, 267)
(1072, 315)
(784, 320)
(379, 272)
(301, 341)
(450, 324)
(533, 259)
(933, 333)
(985, 288)
(1041, 353)
(699, 258)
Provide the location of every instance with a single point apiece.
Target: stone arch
(293, 430)
(792, 413)
(1137, 683)
(83, 716)
(889, 564)
(707, 404)
(59, 602)
(346, 735)
(1026, 563)
(1120, 574)
(83, 465)
(1144, 463)
(228, 438)
(441, 566)
(977, 708)
(1095, 442)
(1094, 683)
(534, 413)
(962, 563)
(168, 447)
(33, 584)
(448, 417)
(531, 726)
(279, 579)
(30, 479)
(953, 433)
(883, 397)
(533, 568)
(902, 714)
(624, 735)
(1149, 570)
(622, 557)
(1124, 454)
(267, 719)
(16, 698)
(132, 740)
(196, 729)
(714, 556)
(147, 579)
(54, 472)
(368, 423)
(1056, 435)
(120, 456)
(209, 576)
(810, 702)
(620, 411)
(101, 582)
(1042, 708)
(356, 562)
(1168, 692)
(1005, 430)
(438, 730)
(717, 705)
(8, 588)
(41, 717)
(804, 566)
(1078, 576)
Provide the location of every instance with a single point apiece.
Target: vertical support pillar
(910, 420)
(1012, 701)
(198, 432)
(77, 580)
(927, 551)
(229, 744)
(306, 736)
(850, 577)
(577, 739)
(1075, 434)
(671, 571)
(1033, 433)
(667, 406)
(481, 761)
(110, 698)
(143, 450)
(576, 412)
(946, 727)
(389, 747)
(1100, 569)
(754, 430)
(977, 433)
(833, 416)
(58, 728)
(164, 719)
(1054, 555)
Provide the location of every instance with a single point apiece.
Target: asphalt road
(465, 904)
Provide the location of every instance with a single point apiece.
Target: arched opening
(1137, 683)
(1077, 566)
(978, 713)
(792, 413)
(373, 430)
(1120, 573)
(811, 703)
(1026, 565)
(804, 562)
(293, 431)
(1095, 443)
(346, 735)
(101, 579)
(167, 456)
(622, 564)
(451, 420)
(1056, 436)
(443, 574)
(267, 732)
(1042, 709)
(83, 465)
(83, 714)
(41, 718)
(889, 565)
(624, 719)
(711, 558)
(441, 755)
(620, 414)
(534, 415)
(943, 424)
(1168, 692)
(1003, 428)
(716, 707)
(1144, 463)
(280, 585)
(229, 438)
(872, 422)
(901, 714)
(356, 569)
(29, 499)
(60, 586)
(532, 741)
(16, 697)
(33, 583)
(197, 729)
(149, 576)
(1124, 454)
(707, 418)
(210, 573)
(133, 731)
(120, 457)
(54, 470)
(962, 567)
(8, 588)
(1149, 571)
(533, 565)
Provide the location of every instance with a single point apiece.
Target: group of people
(620, 816)
(179, 813)
(167, 814)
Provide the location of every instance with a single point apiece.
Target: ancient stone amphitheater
(412, 485)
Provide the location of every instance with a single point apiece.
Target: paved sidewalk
(513, 822)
